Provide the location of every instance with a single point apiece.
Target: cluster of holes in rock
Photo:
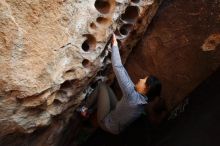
(135, 1)
(102, 21)
(131, 14)
(103, 6)
(89, 43)
(125, 29)
(85, 63)
(129, 17)
(93, 25)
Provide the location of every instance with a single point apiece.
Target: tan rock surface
(51, 50)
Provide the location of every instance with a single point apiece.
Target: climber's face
(141, 86)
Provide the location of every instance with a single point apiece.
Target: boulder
(51, 51)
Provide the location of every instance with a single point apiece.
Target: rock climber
(112, 115)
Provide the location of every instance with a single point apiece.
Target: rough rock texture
(50, 51)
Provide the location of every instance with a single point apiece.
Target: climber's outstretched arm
(122, 76)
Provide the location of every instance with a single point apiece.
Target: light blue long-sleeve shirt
(131, 105)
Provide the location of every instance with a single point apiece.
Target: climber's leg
(113, 99)
(92, 98)
(106, 102)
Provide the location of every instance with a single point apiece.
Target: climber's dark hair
(154, 87)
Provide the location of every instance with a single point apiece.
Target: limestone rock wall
(50, 51)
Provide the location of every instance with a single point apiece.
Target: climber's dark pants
(104, 99)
